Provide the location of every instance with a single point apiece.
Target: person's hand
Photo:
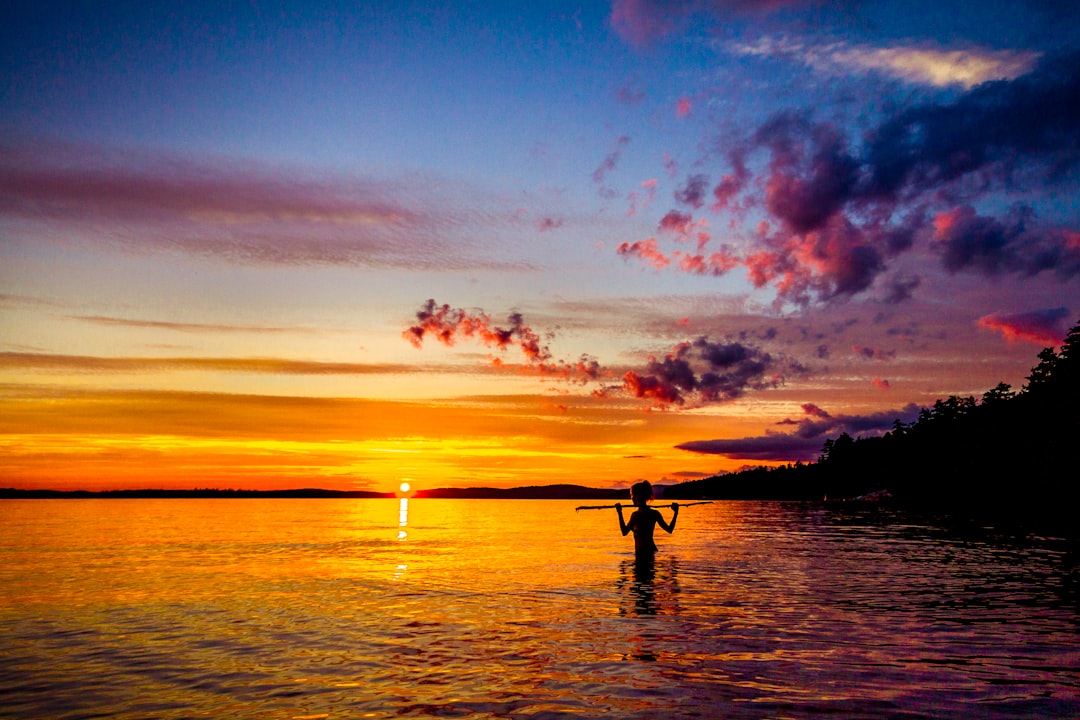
(675, 507)
(618, 506)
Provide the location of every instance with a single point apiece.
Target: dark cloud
(997, 128)
(805, 443)
(769, 447)
(993, 246)
(694, 191)
(811, 171)
(703, 371)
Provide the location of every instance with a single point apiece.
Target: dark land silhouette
(1009, 451)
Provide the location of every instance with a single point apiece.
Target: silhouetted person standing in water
(645, 519)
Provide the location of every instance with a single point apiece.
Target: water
(524, 609)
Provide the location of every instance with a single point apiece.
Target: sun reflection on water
(403, 522)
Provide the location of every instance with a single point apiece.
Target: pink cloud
(676, 222)
(683, 107)
(1040, 327)
(715, 264)
(447, 325)
(881, 384)
(648, 250)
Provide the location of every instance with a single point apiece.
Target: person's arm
(622, 523)
(669, 528)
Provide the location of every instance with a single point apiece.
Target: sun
(405, 487)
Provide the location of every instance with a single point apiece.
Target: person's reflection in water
(651, 588)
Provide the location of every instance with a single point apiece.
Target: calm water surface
(524, 609)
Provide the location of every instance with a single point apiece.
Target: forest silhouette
(1009, 451)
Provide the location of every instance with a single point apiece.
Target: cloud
(703, 371)
(237, 211)
(1041, 327)
(447, 325)
(649, 189)
(1000, 129)
(935, 67)
(186, 327)
(770, 447)
(647, 250)
(900, 287)
(715, 264)
(683, 107)
(608, 164)
(694, 373)
(873, 353)
(992, 246)
(676, 222)
(550, 223)
(644, 22)
(278, 366)
(629, 95)
(806, 442)
(838, 215)
(881, 384)
(694, 191)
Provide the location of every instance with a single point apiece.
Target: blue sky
(741, 214)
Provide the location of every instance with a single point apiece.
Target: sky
(270, 245)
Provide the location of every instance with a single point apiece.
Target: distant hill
(1008, 451)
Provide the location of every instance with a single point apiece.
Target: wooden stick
(609, 507)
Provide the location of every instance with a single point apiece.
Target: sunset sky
(273, 245)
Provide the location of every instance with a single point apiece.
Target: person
(645, 519)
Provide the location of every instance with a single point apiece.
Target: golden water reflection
(407, 607)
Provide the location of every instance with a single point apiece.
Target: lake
(274, 608)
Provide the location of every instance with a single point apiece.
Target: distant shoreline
(543, 492)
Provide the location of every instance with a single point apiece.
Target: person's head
(641, 493)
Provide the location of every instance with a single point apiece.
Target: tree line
(1006, 450)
